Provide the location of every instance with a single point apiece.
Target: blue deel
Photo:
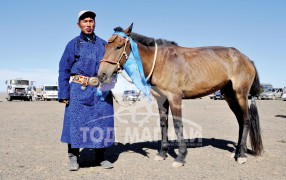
(88, 121)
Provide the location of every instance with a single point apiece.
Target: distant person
(88, 119)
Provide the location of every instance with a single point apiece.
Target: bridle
(119, 68)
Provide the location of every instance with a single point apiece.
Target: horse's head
(116, 53)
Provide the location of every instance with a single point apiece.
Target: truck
(47, 92)
(19, 89)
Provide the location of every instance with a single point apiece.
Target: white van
(49, 92)
(283, 97)
(275, 93)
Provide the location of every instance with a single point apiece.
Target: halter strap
(120, 58)
(137, 74)
(122, 35)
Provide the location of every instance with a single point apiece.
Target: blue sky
(34, 33)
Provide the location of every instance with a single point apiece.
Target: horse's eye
(118, 47)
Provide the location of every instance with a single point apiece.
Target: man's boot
(100, 159)
(73, 154)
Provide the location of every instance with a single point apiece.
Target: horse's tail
(255, 88)
(255, 132)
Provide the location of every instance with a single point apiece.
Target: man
(88, 119)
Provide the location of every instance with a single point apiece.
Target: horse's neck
(147, 57)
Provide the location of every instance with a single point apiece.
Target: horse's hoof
(159, 158)
(241, 160)
(233, 155)
(177, 164)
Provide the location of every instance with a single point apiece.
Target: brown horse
(187, 73)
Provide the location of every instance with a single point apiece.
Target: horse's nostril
(102, 77)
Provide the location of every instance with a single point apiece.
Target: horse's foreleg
(163, 111)
(176, 108)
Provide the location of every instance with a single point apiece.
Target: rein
(154, 62)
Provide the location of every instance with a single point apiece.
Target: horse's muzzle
(102, 77)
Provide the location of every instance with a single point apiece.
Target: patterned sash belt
(85, 81)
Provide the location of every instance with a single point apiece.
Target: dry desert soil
(30, 146)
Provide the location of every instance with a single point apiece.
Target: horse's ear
(128, 30)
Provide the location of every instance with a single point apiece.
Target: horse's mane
(147, 41)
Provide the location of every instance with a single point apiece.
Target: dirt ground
(31, 148)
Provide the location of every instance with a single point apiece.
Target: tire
(9, 98)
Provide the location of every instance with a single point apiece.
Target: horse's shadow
(87, 156)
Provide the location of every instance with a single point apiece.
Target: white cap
(87, 13)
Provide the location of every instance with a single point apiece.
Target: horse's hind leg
(242, 147)
(238, 103)
(234, 106)
(176, 109)
(163, 106)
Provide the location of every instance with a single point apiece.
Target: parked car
(50, 92)
(218, 95)
(130, 95)
(273, 94)
(46, 92)
(283, 97)
(266, 86)
(211, 95)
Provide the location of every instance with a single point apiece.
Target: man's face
(86, 25)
